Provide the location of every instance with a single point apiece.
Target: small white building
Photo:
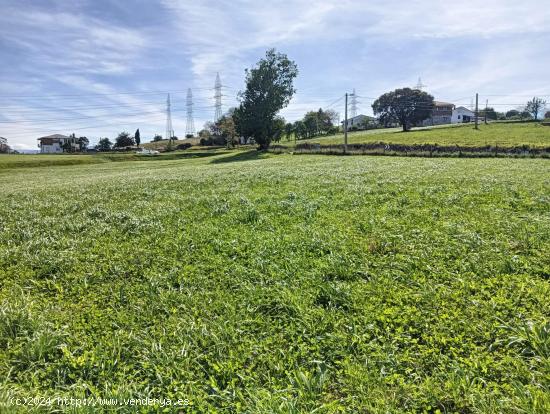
(359, 121)
(56, 144)
(462, 115)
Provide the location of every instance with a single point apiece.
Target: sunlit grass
(499, 134)
(249, 282)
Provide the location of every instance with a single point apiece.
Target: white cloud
(495, 46)
(72, 42)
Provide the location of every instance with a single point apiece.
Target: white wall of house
(461, 115)
(357, 121)
(55, 148)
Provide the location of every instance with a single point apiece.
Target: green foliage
(137, 137)
(249, 282)
(157, 138)
(512, 114)
(489, 113)
(83, 143)
(124, 140)
(104, 144)
(315, 123)
(289, 130)
(406, 106)
(496, 134)
(269, 88)
(300, 130)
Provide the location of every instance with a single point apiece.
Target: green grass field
(501, 134)
(54, 160)
(261, 283)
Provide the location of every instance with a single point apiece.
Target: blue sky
(98, 67)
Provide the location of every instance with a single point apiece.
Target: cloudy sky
(98, 67)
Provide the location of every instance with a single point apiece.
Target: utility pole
(486, 107)
(346, 126)
(477, 111)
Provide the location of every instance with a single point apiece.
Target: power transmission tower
(190, 127)
(353, 111)
(169, 130)
(218, 98)
(420, 85)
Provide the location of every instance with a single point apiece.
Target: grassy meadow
(501, 133)
(261, 283)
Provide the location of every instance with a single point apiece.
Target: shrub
(183, 146)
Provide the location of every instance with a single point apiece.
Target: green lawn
(501, 134)
(263, 283)
(53, 160)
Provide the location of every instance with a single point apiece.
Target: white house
(442, 113)
(358, 121)
(54, 144)
(462, 115)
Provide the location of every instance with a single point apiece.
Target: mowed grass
(280, 284)
(11, 161)
(500, 134)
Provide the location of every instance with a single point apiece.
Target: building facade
(442, 114)
(462, 115)
(359, 122)
(57, 143)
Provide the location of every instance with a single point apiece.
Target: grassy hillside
(249, 282)
(54, 160)
(501, 134)
(161, 145)
(45, 160)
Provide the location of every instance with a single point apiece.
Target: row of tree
(409, 107)
(270, 87)
(314, 123)
(123, 140)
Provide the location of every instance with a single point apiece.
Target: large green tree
(406, 106)
(489, 113)
(104, 144)
(300, 130)
(83, 143)
(227, 129)
(319, 122)
(269, 88)
(289, 129)
(124, 140)
(137, 137)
